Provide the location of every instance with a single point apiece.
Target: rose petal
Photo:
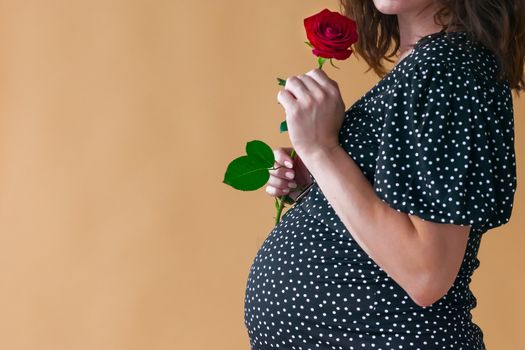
(331, 34)
(338, 55)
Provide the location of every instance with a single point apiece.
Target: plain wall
(117, 121)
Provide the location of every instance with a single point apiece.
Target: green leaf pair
(250, 172)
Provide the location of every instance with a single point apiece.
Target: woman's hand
(314, 111)
(279, 183)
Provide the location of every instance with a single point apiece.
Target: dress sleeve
(446, 152)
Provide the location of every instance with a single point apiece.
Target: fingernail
(289, 174)
(288, 164)
(286, 190)
(292, 184)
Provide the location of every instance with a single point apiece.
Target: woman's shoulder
(454, 52)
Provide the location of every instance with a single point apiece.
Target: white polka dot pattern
(435, 139)
(446, 147)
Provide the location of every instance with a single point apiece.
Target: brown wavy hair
(497, 24)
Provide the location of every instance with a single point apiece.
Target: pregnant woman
(380, 251)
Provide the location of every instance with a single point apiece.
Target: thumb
(282, 156)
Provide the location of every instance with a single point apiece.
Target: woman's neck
(414, 26)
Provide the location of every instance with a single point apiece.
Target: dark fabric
(446, 150)
(435, 138)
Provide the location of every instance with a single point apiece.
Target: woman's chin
(388, 7)
(396, 7)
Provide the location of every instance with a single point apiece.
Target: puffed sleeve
(446, 151)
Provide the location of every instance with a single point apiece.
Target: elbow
(426, 299)
(428, 290)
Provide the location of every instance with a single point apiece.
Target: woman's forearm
(388, 236)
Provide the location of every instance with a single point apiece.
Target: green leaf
(247, 173)
(332, 63)
(250, 172)
(283, 127)
(309, 44)
(281, 82)
(277, 204)
(320, 62)
(262, 151)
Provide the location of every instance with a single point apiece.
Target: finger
(313, 86)
(322, 79)
(276, 192)
(296, 87)
(283, 173)
(277, 182)
(286, 98)
(282, 156)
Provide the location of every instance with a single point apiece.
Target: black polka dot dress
(435, 138)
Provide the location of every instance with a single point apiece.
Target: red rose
(331, 34)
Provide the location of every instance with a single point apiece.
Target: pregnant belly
(311, 284)
(306, 274)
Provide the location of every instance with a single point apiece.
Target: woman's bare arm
(423, 257)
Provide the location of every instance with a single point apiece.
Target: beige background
(117, 121)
